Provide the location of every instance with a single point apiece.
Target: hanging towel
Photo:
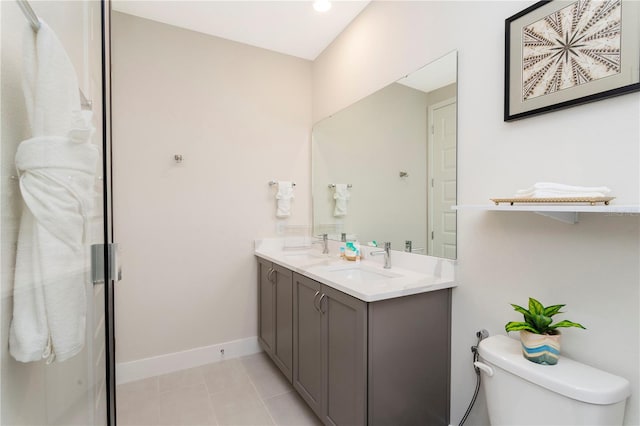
(57, 168)
(558, 190)
(341, 196)
(283, 198)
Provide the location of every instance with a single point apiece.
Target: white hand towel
(341, 196)
(570, 188)
(283, 198)
(57, 173)
(564, 190)
(542, 193)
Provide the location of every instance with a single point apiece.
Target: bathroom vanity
(362, 345)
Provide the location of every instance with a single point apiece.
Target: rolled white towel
(564, 190)
(557, 190)
(541, 193)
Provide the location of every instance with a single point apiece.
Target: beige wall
(505, 257)
(240, 116)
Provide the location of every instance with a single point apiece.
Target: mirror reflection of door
(442, 179)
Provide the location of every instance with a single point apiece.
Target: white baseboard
(168, 363)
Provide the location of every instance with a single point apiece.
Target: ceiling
(291, 27)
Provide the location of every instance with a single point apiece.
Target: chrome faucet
(387, 255)
(325, 243)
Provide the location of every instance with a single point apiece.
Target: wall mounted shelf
(561, 212)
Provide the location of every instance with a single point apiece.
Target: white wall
(593, 266)
(240, 116)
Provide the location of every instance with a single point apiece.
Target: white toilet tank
(520, 392)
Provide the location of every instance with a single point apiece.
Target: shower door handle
(97, 263)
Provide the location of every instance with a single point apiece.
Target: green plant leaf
(535, 307)
(517, 326)
(522, 310)
(552, 310)
(566, 323)
(528, 317)
(541, 323)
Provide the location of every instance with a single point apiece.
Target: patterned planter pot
(540, 348)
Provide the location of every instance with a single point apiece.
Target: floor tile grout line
(213, 409)
(262, 401)
(279, 394)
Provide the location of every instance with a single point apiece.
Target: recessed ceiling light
(322, 5)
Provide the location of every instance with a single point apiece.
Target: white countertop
(429, 273)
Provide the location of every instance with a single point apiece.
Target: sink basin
(360, 273)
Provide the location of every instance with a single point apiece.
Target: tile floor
(243, 391)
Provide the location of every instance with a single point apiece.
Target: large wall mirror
(384, 168)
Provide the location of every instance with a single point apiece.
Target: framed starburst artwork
(561, 53)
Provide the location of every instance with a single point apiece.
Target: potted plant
(539, 336)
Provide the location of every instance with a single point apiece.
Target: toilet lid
(568, 377)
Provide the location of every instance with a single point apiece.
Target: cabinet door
(344, 342)
(307, 341)
(409, 351)
(266, 304)
(283, 351)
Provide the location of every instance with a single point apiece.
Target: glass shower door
(55, 354)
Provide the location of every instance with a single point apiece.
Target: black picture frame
(626, 80)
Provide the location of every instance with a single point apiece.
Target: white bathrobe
(57, 175)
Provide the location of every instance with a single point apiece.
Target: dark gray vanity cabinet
(275, 313)
(409, 353)
(307, 341)
(345, 358)
(330, 352)
(358, 363)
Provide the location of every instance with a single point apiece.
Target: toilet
(520, 392)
